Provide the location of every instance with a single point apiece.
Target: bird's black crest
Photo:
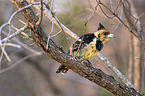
(101, 26)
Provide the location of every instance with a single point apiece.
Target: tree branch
(115, 15)
(83, 68)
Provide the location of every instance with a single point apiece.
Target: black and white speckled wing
(83, 41)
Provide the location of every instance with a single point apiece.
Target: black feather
(101, 26)
(86, 39)
(99, 45)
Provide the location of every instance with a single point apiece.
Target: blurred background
(36, 75)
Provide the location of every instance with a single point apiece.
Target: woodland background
(36, 75)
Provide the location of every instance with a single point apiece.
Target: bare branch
(114, 14)
(121, 14)
(5, 53)
(13, 34)
(41, 14)
(55, 34)
(22, 44)
(110, 17)
(49, 15)
(51, 27)
(59, 23)
(12, 45)
(19, 62)
(120, 1)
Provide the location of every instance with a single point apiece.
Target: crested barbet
(88, 45)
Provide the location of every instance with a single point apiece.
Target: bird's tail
(62, 69)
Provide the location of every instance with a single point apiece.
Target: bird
(88, 45)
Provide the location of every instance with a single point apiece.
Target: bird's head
(102, 34)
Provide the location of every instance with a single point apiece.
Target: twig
(55, 34)
(69, 42)
(68, 31)
(12, 16)
(51, 27)
(114, 14)
(105, 13)
(41, 14)
(121, 14)
(13, 35)
(90, 17)
(9, 23)
(143, 25)
(11, 44)
(22, 44)
(23, 22)
(5, 53)
(137, 20)
(19, 62)
(117, 6)
(59, 23)
(129, 11)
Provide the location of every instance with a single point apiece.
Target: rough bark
(83, 68)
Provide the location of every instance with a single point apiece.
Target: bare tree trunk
(137, 63)
(131, 62)
(137, 52)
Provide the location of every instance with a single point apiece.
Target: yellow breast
(88, 52)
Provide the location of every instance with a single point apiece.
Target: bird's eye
(99, 35)
(105, 33)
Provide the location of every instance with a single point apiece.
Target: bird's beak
(111, 36)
